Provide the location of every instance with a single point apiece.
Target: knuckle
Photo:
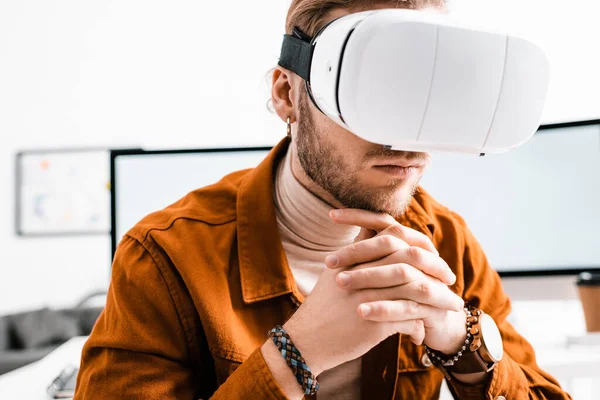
(382, 310)
(415, 254)
(424, 288)
(400, 272)
(387, 241)
(368, 274)
(397, 230)
(417, 326)
(412, 307)
(352, 252)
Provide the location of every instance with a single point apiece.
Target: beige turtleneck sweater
(308, 236)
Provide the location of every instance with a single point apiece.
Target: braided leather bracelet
(295, 361)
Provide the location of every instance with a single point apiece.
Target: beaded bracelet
(437, 357)
(295, 361)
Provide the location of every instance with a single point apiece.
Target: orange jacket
(196, 287)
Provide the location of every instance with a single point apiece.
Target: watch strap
(471, 362)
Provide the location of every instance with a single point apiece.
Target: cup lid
(588, 278)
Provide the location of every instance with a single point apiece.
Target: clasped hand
(402, 278)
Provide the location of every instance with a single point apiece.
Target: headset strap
(297, 53)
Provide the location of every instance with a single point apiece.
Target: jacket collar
(417, 216)
(264, 269)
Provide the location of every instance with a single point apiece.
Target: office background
(187, 74)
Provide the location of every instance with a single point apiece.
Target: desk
(30, 382)
(577, 369)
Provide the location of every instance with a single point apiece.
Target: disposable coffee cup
(588, 284)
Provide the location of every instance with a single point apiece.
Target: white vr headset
(417, 81)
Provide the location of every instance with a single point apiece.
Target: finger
(380, 222)
(363, 218)
(414, 328)
(399, 310)
(411, 236)
(430, 264)
(379, 277)
(364, 234)
(426, 291)
(365, 251)
(420, 259)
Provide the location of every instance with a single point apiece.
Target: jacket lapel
(264, 270)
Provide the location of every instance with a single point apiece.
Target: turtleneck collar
(303, 218)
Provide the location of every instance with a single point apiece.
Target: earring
(289, 128)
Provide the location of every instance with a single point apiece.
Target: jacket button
(426, 362)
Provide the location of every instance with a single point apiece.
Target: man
(329, 237)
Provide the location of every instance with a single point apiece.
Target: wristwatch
(482, 350)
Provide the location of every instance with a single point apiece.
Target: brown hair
(311, 15)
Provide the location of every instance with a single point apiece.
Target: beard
(325, 165)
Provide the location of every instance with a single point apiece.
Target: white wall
(121, 73)
(182, 73)
(568, 32)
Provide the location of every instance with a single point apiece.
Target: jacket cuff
(507, 380)
(251, 380)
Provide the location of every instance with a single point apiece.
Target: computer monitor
(146, 181)
(535, 210)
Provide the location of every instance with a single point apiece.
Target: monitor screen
(148, 181)
(535, 210)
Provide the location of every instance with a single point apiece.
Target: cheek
(343, 143)
(351, 146)
(331, 133)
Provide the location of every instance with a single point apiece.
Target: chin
(394, 202)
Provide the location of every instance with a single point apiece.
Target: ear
(284, 94)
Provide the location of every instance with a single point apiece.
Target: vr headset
(410, 80)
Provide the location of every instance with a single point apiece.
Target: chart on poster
(63, 192)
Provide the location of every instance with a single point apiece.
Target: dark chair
(29, 336)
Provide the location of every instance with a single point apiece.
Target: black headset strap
(297, 53)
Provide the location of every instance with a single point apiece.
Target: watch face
(491, 337)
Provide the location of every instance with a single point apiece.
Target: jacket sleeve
(517, 375)
(143, 344)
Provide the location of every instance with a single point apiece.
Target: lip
(396, 171)
(400, 164)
